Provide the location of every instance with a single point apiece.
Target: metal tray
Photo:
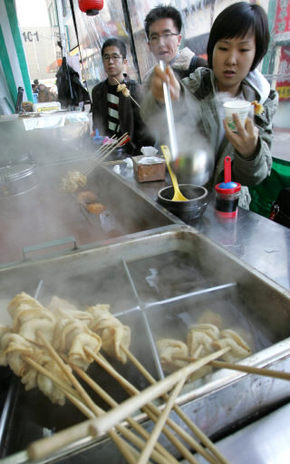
(158, 283)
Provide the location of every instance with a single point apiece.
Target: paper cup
(240, 107)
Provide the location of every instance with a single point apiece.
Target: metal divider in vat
(159, 284)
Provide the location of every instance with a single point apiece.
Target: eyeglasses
(167, 36)
(113, 57)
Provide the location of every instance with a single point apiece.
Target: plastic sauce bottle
(227, 193)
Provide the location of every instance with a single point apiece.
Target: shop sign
(283, 84)
(282, 19)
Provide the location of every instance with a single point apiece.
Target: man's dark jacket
(129, 114)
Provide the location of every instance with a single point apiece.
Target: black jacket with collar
(129, 115)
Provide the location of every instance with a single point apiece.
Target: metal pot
(17, 177)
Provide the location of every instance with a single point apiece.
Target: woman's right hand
(156, 84)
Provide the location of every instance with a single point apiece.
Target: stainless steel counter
(256, 240)
(263, 442)
(265, 245)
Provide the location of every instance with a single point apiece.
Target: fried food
(95, 208)
(29, 316)
(63, 309)
(115, 337)
(202, 340)
(86, 197)
(168, 348)
(122, 88)
(45, 384)
(71, 338)
(210, 317)
(111, 330)
(13, 346)
(258, 107)
(102, 318)
(239, 348)
(67, 329)
(3, 358)
(73, 181)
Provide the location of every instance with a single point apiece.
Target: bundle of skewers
(76, 180)
(52, 347)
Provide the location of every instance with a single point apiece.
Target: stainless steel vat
(159, 282)
(46, 220)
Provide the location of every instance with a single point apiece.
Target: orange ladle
(178, 196)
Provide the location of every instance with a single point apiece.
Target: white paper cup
(240, 107)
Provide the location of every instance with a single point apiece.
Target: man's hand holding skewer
(156, 85)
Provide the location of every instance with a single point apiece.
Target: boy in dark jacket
(115, 101)
(163, 26)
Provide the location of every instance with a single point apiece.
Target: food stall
(157, 274)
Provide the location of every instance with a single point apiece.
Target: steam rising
(46, 213)
(190, 139)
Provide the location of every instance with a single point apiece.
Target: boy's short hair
(114, 42)
(236, 21)
(161, 12)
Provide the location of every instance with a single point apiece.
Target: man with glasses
(114, 112)
(163, 26)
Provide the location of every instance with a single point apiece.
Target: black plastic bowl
(188, 211)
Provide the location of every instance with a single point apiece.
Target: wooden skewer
(46, 446)
(125, 449)
(242, 368)
(168, 458)
(251, 370)
(100, 152)
(197, 352)
(191, 425)
(105, 146)
(160, 423)
(111, 146)
(66, 369)
(130, 96)
(119, 144)
(153, 413)
(113, 162)
(129, 453)
(105, 150)
(65, 388)
(42, 448)
(130, 405)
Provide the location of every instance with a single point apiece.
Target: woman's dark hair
(236, 21)
(113, 42)
(163, 12)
